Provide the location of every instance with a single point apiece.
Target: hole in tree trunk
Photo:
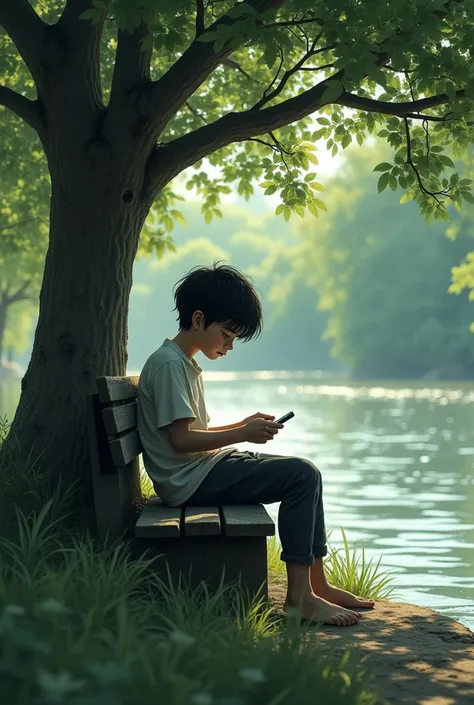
(127, 196)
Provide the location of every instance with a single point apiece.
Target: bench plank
(157, 520)
(202, 521)
(120, 418)
(125, 448)
(247, 520)
(112, 389)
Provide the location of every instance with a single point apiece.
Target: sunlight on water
(397, 468)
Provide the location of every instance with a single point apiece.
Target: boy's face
(216, 341)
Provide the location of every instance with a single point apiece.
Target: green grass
(86, 625)
(81, 623)
(349, 571)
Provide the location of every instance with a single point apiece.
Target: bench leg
(205, 558)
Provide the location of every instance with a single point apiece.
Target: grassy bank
(82, 624)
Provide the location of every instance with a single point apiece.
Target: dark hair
(224, 295)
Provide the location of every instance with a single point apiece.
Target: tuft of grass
(351, 572)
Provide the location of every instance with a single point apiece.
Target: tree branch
(199, 17)
(26, 30)
(28, 110)
(195, 112)
(164, 97)
(81, 39)
(409, 109)
(294, 23)
(230, 63)
(168, 161)
(19, 295)
(132, 62)
(267, 97)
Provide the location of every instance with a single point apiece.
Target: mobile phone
(286, 417)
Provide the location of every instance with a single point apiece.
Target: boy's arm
(239, 424)
(185, 440)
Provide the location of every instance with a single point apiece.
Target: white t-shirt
(171, 388)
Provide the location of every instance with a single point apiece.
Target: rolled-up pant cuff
(320, 551)
(295, 558)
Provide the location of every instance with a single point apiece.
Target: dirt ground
(416, 654)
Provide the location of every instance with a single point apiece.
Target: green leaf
(333, 90)
(346, 140)
(320, 204)
(91, 14)
(208, 216)
(208, 37)
(279, 209)
(178, 217)
(270, 55)
(287, 213)
(467, 195)
(316, 186)
(299, 210)
(383, 182)
(312, 209)
(319, 133)
(383, 166)
(446, 160)
(270, 190)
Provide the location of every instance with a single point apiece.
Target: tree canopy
(232, 72)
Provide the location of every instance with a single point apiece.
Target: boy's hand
(258, 415)
(260, 430)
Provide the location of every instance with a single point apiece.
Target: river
(397, 465)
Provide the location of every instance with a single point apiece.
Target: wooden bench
(197, 543)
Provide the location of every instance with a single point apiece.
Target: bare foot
(318, 610)
(342, 597)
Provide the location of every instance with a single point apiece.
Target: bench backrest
(114, 449)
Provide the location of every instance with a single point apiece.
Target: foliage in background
(24, 204)
(383, 276)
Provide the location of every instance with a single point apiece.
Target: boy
(192, 464)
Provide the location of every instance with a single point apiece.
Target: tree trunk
(3, 326)
(97, 212)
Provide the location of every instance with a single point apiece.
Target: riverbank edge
(416, 655)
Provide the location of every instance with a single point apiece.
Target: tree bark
(3, 325)
(98, 207)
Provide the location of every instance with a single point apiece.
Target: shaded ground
(416, 654)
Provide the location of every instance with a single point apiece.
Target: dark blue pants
(246, 477)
